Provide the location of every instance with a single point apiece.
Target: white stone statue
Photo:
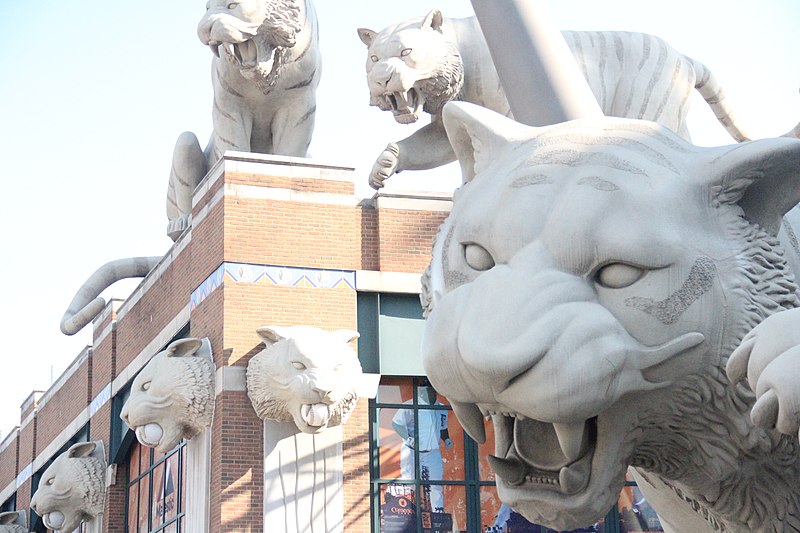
(13, 522)
(305, 375)
(265, 74)
(87, 303)
(420, 64)
(72, 489)
(172, 398)
(588, 289)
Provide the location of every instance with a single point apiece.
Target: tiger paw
(384, 166)
(768, 361)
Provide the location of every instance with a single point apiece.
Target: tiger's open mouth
(405, 105)
(245, 54)
(533, 454)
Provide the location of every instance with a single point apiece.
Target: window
(429, 476)
(155, 495)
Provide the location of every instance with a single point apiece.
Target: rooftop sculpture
(265, 72)
(420, 64)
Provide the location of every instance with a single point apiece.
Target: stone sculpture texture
(265, 72)
(172, 398)
(87, 302)
(13, 522)
(305, 375)
(587, 292)
(72, 489)
(420, 64)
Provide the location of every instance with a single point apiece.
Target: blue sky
(94, 94)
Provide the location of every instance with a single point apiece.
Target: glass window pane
(133, 463)
(635, 514)
(157, 508)
(171, 487)
(398, 508)
(133, 491)
(144, 503)
(394, 390)
(392, 446)
(443, 508)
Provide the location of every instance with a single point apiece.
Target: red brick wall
(406, 238)
(262, 232)
(9, 464)
(58, 410)
(356, 470)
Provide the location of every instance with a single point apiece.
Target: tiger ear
(433, 20)
(479, 136)
(346, 335)
(762, 177)
(184, 347)
(12, 517)
(272, 334)
(367, 36)
(81, 449)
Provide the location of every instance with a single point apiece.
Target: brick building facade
(274, 241)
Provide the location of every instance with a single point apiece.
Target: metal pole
(539, 75)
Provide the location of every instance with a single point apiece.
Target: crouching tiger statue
(265, 72)
(420, 64)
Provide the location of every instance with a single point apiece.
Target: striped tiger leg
(188, 169)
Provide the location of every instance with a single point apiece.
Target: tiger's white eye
(404, 52)
(298, 365)
(232, 5)
(146, 385)
(618, 275)
(477, 257)
(374, 58)
(51, 481)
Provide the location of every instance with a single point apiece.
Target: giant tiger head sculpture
(13, 522)
(412, 66)
(305, 375)
(172, 398)
(253, 34)
(587, 289)
(72, 489)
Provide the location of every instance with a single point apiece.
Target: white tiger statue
(265, 72)
(305, 375)
(72, 489)
(608, 294)
(420, 64)
(172, 398)
(13, 522)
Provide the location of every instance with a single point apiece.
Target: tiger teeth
(571, 439)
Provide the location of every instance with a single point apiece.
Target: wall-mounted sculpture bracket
(13, 522)
(172, 398)
(305, 375)
(72, 489)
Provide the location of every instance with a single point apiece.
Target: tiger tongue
(316, 414)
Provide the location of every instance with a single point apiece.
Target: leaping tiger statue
(421, 64)
(265, 74)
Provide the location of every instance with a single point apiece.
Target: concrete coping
(413, 201)
(71, 369)
(32, 398)
(247, 162)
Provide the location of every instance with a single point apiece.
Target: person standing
(432, 429)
